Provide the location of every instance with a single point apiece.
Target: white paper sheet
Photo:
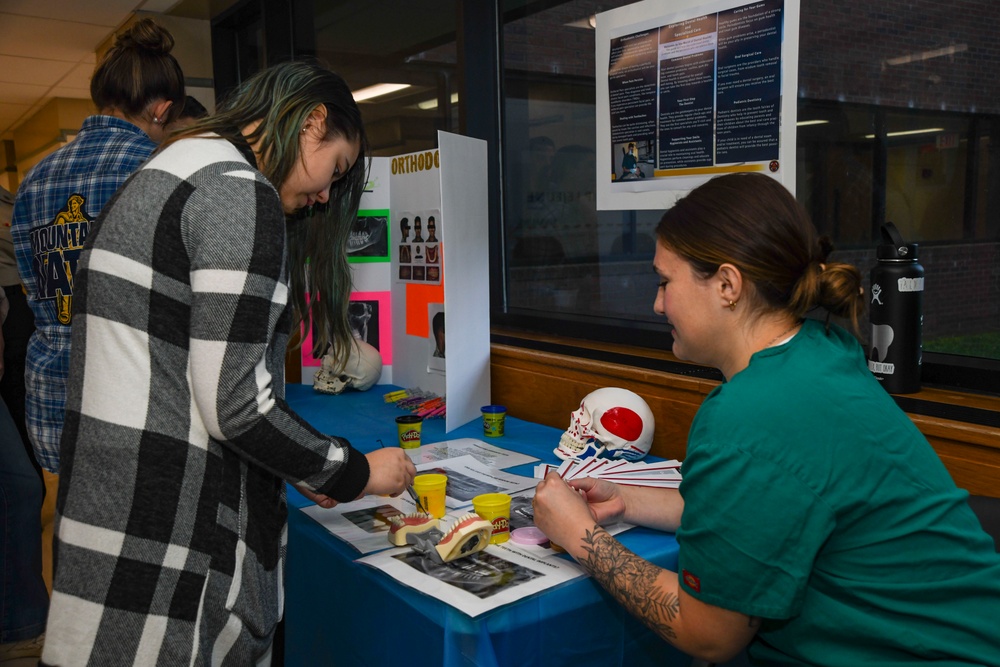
(481, 582)
(489, 455)
(364, 523)
(467, 478)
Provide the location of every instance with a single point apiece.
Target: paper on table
(489, 455)
(467, 478)
(363, 523)
(478, 583)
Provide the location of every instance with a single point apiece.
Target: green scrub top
(814, 503)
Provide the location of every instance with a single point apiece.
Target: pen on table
(394, 396)
(416, 498)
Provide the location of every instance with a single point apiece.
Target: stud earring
(732, 305)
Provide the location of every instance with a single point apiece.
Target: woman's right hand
(390, 471)
(604, 498)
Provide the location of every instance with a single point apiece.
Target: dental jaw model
(467, 535)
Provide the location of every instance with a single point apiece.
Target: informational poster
(398, 249)
(706, 89)
(440, 274)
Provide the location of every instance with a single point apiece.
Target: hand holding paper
(562, 514)
(665, 474)
(605, 500)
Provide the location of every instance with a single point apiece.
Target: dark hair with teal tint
(281, 98)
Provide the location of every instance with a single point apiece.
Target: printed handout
(363, 523)
(481, 582)
(489, 455)
(467, 478)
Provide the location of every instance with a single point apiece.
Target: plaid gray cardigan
(177, 443)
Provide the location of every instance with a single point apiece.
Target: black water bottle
(896, 311)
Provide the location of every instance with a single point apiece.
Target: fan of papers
(664, 474)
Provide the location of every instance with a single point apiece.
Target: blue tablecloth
(343, 613)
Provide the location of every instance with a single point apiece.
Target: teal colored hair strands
(278, 100)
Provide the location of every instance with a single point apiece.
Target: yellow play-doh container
(409, 427)
(495, 508)
(430, 488)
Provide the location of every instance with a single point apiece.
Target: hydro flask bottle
(897, 315)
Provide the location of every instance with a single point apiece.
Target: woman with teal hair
(171, 516)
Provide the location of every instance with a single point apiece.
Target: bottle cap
(893, 247)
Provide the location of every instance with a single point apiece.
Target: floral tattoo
(631, 580)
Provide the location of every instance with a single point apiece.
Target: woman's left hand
(326, 502)
(561, 512)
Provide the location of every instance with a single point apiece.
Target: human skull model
(363, 369)
(611, 422)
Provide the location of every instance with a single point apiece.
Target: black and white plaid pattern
(177, 442)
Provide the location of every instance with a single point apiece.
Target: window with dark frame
(905, 129)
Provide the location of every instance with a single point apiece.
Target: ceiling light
(803, 123)
(904, 133)
(378, 90)
(587, 22)
(427, 105)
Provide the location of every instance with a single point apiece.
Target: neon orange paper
(418, 297)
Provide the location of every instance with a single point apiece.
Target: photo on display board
(363, 318)
(436, 341)
(636, 160)
(366, 317)
(369, 239)
(419, 247)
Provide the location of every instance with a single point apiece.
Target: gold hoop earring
(732, 304)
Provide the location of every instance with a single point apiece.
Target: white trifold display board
(449, 185)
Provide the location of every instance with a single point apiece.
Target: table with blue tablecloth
(343, 613)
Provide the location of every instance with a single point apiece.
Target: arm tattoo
(631, 580)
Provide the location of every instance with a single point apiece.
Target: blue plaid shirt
(56, 205)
